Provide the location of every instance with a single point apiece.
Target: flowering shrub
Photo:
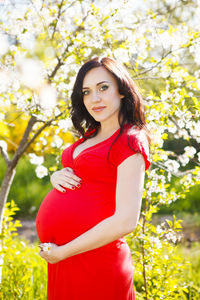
(23, 271)
(159, 268)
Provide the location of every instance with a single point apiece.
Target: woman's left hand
(53, 255)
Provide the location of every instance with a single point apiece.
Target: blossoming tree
(158, 41)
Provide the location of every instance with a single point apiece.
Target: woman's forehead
(96, 75)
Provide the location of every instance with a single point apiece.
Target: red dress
(105, 272)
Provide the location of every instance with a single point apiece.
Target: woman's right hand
(65, 178)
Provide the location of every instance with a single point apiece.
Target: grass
(192, 275)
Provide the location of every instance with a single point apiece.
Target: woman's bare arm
(130, 182)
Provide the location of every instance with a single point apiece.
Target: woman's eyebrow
(98, 83)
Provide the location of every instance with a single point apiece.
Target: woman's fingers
(59, 188)
(69, 169)
(65, 178)
(69, 183)
(71, 180)
(70, 173)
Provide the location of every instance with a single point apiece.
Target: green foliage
(159, 269)
(23, 270)
(28, 190)
(170, 271)
(192, 274)
(187, 203)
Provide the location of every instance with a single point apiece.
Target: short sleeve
(65, 156)
(130, 142)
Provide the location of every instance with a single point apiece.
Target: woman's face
(100, 95)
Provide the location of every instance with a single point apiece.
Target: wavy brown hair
(131, 108)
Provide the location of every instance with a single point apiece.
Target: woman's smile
(98, 108)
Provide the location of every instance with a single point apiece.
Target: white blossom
(45, 246)
(190, 151)
(187, 180)
(198, 155)
(36, 160)
(4, 81)
(159, 229)
(4, 45)
(2, 117)
(181, 123)
(3, 145)
(41, 171)
(57, 111)
(120, 53)
(43, 140)
(30, 72)
(47, 112)
(22, 104)
(57, 141)
(47, 95)
(163, 156)
(184, 160)
(171, 236)
(156, 241)
(172, 128)
(172, 165)
(32, 209)
(195, 50)
(182, 133)
(65, 124)
(169, 176)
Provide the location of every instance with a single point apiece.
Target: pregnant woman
(96, 199)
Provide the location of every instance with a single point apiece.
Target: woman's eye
(84, 93)
(104, 87)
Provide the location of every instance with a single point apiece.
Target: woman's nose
(95, 96)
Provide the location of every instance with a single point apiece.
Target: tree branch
(61, 60)
(48, 123)
(57, 67)
(23, 141)
(37, 133)
(5, 155)
(177, 174)
(58, 16)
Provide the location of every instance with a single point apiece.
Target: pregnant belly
(64, 216)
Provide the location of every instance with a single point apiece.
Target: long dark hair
(131, 108)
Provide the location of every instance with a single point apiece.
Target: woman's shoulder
(133, 133)
(132, 140)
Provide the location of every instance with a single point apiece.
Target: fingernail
(73, 188)
(78, 185)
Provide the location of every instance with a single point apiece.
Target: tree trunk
(11, 166)
(5, 188)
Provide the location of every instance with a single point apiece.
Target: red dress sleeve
(130, 142)
(65, 156)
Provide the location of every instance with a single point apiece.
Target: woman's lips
(97, 109)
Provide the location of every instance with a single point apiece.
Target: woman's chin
(99, 118)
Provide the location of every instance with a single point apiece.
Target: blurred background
(43, 43)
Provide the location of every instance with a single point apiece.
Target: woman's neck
(105, 131)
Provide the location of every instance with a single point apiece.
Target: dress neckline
(96, 145)
(91, 147)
